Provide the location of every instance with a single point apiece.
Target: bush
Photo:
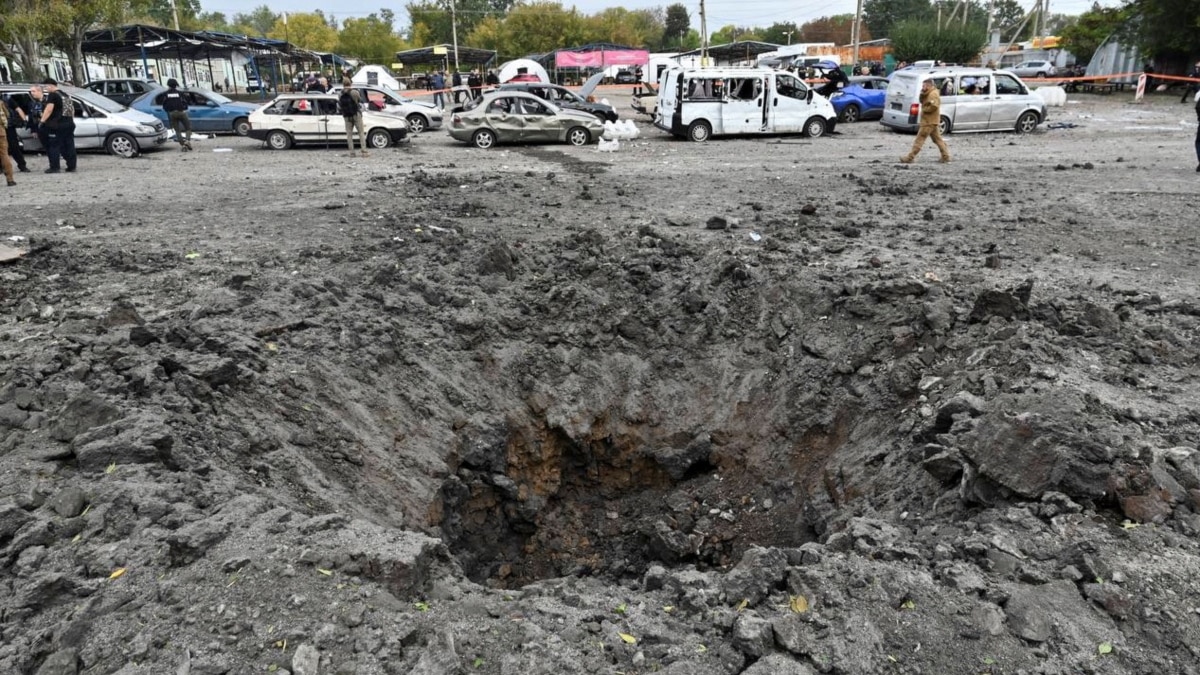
(916, 40)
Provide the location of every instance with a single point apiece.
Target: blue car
(210, 112)
(862, 99)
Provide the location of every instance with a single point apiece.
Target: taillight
(455, 120)
(914, 109)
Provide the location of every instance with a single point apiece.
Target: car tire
(1027, 122)
(944, 126)
(699, 131)
(483, 139)
(417, 124)
(379, 139)
(851, 113)
(578, 136)
(815, 127)
(241, 126)
(121, 144)
(1042, 75)
(279, 140)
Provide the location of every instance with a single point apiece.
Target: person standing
(456, 85)
(439, 83)
(17, 118)
(58, 122)
(931, 117)
(1198, 133)
(474, 83)
(1192, 87)
(350, 106)
(5, 163)
(175, 104)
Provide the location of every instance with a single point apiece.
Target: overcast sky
(720, 12)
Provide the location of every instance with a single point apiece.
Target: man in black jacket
(58, 123)
(175, 104)
(17, 118)
(1192, 87)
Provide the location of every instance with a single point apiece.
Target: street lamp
(789, 34)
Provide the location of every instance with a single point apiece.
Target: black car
(625, 77)
(565, 98)
(123, 91)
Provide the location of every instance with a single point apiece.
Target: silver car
(518, 117)
(1034, 69)
(100, 123)
(973, 99)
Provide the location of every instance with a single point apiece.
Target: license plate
(897, 106)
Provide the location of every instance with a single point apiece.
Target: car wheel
(416, 123)
(379, 139)
(815, 127)
(944, 126)
(1041, 74)
(279, 140)
(850, 113)
(1027, 122)
(121, 145)
(241, 126)
(484, 138)
(578, 136)
(699, 131)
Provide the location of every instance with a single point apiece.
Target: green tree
(1167, 26)
(216, 21)
(676, 25)
(308, 30)
(22, 25)
(68, 21)
(917, 40)
(781, 33)
(638, 28)
(1091, 29)
(260, 21)
(539, 27)
(882, 16)
(371, 38)
(1007, 17)
(732, 33)
(160, 12)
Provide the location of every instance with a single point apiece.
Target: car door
(302, 120)
(205, 115)
(742, 111)
(330, 124)
(87, 127)
(1009, 100)
(540, 123)
(969, 111)
(504, 115)
(787, 105)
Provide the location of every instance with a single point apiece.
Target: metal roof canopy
(745, 50)
(426, 56)
(136, 40)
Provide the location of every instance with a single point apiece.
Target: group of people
(51, 117)
(471, 86)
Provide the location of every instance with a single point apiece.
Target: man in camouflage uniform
(931, 115)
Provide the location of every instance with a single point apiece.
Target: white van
(701, 103)
(973, 99)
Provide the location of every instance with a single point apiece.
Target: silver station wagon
(973, 99)
(100, 123)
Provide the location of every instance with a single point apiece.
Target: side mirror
(808, 96)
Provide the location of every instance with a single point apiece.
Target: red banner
(602, 59)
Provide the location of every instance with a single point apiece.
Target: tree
(1091, 29)
(308, 30)
(371, 38)
(22, 24)
(261, 20)
(918, 40)
(639, 28)
(1007, 16)
(436, 16)
(1167, 26)
(732, 33)
(162, 13)
(539, 27)
(67, 22)
(676, 25)
(836, 29)
(882, 16)
(781, 33)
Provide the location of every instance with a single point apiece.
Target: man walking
(350, 106)
(931, 115)
(58, 122)
(5, 163)
(176, 106)
(17, 118)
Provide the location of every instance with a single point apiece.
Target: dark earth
(762, 406)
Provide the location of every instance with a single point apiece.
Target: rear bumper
(258, 134)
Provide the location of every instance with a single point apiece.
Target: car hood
(591, 84)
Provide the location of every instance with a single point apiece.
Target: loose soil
(751, 406)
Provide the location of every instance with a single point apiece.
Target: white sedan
(313, 118)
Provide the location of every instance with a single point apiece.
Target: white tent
(378, 76)
(517, 66)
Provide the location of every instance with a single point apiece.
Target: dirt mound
(511, 419)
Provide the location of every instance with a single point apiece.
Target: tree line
(515, 29)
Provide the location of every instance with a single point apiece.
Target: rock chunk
(85, 411)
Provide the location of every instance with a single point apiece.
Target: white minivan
(973, 99)
(706, 102)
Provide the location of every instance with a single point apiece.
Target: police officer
(58, 127)
(1192, 87)
(931, 116)
(176, 106)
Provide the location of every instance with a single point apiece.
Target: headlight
(143, 129)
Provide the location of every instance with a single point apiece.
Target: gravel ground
(755, 406)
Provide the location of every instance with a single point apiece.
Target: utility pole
(857, 31)
(454, 30)
(175, 14)
(703, 37)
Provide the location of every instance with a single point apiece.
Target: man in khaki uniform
(4, 160)
(931, 114)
